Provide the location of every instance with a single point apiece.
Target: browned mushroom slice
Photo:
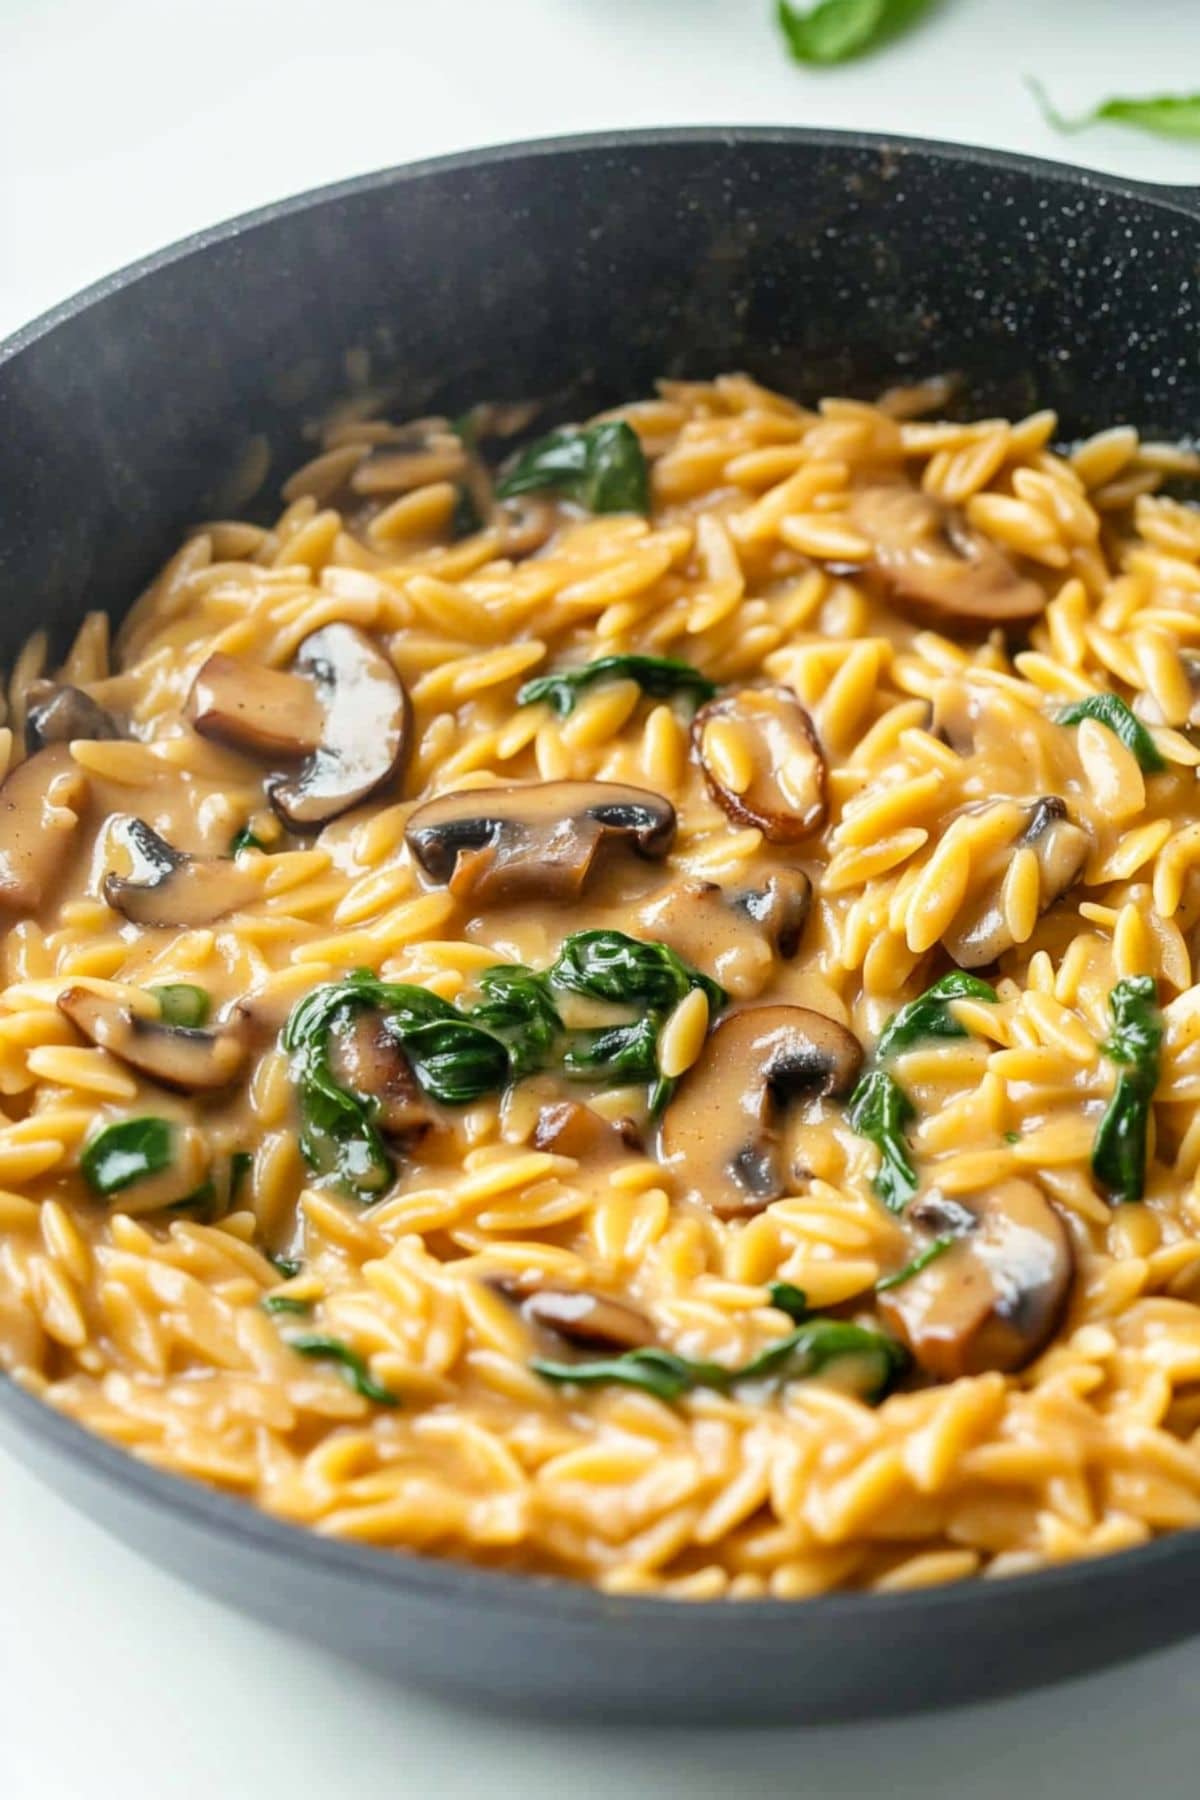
(539, 841)
(722, 1132)
(937, 569)
(60, 714)
(569, 1128)
(734, 936)
(995, 1297)
(762, 761)
(366, 733)
(40, 802)
(166, 886)
(253, 708)
(979, 932)
(420, 453)
(524, 523)
(174, 1055)
(593, 1321)
(365, 1057)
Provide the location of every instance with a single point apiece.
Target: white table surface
(126, 123)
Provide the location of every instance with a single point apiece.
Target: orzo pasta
(626, 1009)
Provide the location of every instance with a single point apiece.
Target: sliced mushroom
(995, 1297)
(937, 569)
(569, 1128)
(524, 523)
(366, 1057)
(593, 1321)
(59, 714)
(539, 841)
(166, 886)
(979, 932)
(40, 803)
(779, 907)
(250, 707)
(735, 937)
(366, 734)
(762, 761)
(177, 1056)
(722, 1132)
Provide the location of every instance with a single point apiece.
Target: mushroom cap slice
(176, 1056)
(367, 730)
(995, 1297)
(59, 714)
(166, 886)
(593, 1321)
(366, 1057)
(40, 803)
(537, 841)
(253, 708)
(936, 569)
(979, 932)
(762, 761)
(722, 1132)
(733, 936)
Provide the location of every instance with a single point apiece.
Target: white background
(125, 123)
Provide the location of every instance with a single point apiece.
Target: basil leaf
(659, 676)
(1111, 710)
(1167, 115)
(879, 1110)
(518, 1007)
(803, 1352)
(245, 840)
(127, 1152)
(930, 1254)
(833, 31)
(929, 1015)
(601, 467)
(285, 1303)
(350, 1364)
(1119, 1147)
(180, 1003)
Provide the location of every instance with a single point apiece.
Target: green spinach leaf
(351, 1365)
(811, 1347)
(930, 1254)
(880, 1110)
(519, 1008)
(1111, 710)
(245, 840)
(929, 1015)
(180, 1003)
(601, 467)
(127, 1152)
(659, 676)
(1119, 1147)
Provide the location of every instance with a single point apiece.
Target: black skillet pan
(579, 271)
